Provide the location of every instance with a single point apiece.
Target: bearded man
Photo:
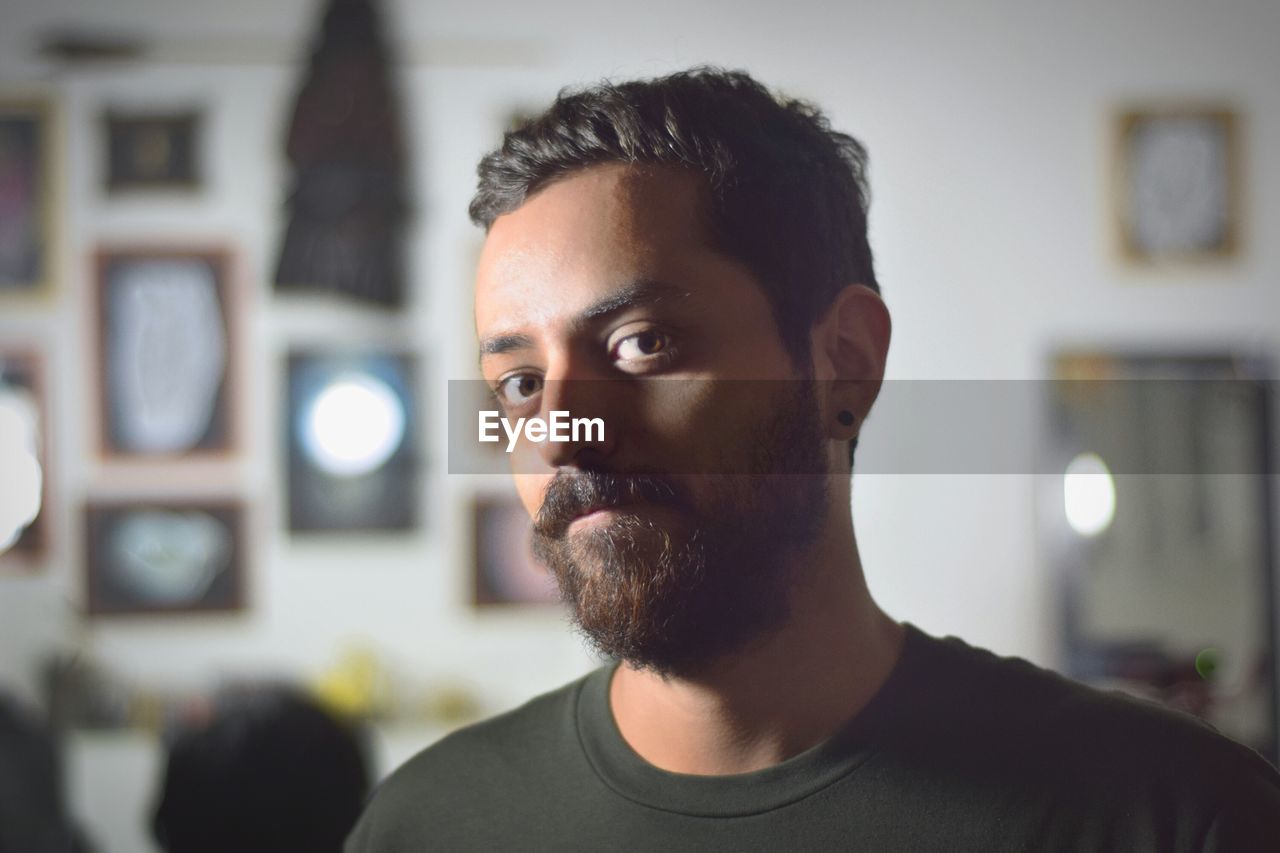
(686, 259)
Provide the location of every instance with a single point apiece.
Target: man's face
(671, 538)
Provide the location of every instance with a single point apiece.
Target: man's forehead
(602, 227)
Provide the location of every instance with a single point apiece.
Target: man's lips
(595, 509)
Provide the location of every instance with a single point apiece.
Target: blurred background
(235, 283)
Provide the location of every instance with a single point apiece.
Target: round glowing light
(1089, 494)
(353, 425)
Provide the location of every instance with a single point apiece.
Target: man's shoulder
(472, 764)
(1040, 717)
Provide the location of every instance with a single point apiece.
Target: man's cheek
(672, 423)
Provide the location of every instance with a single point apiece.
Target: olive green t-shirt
(959, 751)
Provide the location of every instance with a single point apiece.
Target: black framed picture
(152, 151)
(166, 353)
(351, 441)
(27, 199)
(159, 557)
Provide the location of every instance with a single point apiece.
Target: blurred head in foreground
(268, 770)
(32, 817)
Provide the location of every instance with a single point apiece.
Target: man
(686, 259)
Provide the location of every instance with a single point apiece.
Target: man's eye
(642, 345)
(517, 390)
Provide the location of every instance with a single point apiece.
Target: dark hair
(787, 196)
(269, 771)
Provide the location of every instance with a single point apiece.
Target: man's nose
(582, 414)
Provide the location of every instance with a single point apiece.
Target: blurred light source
(1089, 494)
(1207, 663)
(23, 479)
(353, 425)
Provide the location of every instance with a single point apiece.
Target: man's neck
(784, 694)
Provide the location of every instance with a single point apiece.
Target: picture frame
(1176, 184)
(24, 457)
(152, 151)
(352, 440)
(29, 147)
(505, 572)
(163, 557)
(1155, 519)
(166, 358)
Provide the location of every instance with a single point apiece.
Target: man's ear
(850, 346)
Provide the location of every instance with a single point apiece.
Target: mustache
(572, 495)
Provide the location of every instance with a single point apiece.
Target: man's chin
(630, 540)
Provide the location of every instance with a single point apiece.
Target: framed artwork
(1177, 184)
(1156, 520)
(505, 570)
(24, 497)
(352, 441)
(166, 353)
(163, 557)
(27, 198)
(152, 151)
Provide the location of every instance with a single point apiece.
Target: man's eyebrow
(641, 292)
(499, 344)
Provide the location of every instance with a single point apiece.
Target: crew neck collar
(625, 772)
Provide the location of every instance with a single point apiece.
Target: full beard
(672, 598)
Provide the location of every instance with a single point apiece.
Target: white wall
(986, 122)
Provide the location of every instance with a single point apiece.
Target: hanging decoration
(348, 206)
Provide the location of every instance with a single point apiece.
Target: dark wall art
(162, 557)
(26, 197)
(352, 436)
(152, 151)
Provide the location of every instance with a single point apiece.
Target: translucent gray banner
(679, 426)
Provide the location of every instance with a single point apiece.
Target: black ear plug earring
(845, 417)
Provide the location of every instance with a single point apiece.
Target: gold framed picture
(1176, 184)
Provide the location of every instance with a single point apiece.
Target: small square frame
(145, 152)
(1176, 184)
